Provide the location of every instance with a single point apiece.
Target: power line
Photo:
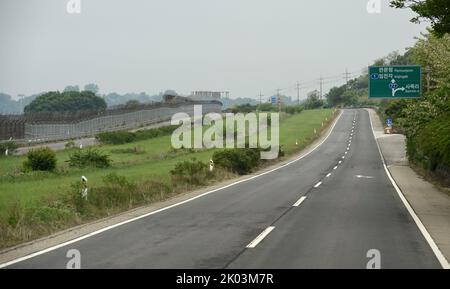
(322, 81)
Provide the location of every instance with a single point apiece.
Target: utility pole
(279, 100)
(21, 102)
(347, 76)
(321, 86)
(298, 93)
(260, 97)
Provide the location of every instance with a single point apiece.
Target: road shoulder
(431, 205)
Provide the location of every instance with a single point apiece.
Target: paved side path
(85, 142)
(431, 205)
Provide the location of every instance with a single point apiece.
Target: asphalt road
(350, 208)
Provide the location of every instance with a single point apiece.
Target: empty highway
(325, 210)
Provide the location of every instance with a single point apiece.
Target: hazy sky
(243, 46)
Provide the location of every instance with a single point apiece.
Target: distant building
(207, 95)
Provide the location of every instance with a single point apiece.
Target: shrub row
(193, 172)
(123, 137)
(240, 161)
(44, 159)
(89, 158)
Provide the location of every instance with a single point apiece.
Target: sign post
(395, 81)
(389, 122)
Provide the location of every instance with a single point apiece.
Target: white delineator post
(211, 165)
(84, 190)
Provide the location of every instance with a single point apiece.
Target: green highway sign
(395, 81)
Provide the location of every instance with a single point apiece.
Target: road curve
(326, 210)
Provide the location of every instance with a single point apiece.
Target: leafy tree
(313, 100)
(435, 11)
(92, 87)
(133, 104)
(350, 97)
(433, 52)
(72, 88)
(335, 96)
(69, 101)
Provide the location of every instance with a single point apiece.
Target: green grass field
(155, 159)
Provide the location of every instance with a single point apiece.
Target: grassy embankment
(144, 163)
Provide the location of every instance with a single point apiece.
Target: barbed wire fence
(44, 127)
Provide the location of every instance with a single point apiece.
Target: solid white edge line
(437, 252)
(317, 185)
(298, 203)
(260, 237)
(168, 207)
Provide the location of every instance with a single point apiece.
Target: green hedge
(241, 161)
(433, 141)
(41, 159)
(89, 158)
(123, 137)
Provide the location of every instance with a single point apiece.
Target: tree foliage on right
(436, 11)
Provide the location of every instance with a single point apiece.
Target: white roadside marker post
(211, 165)
(84, 190)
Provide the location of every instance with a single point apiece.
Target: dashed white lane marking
(317, 185)
(363, 177)
(327, 176)
(299, 201)
(343, 157)
(335, 167)
(340, 162)
(346, 152)
(260, 237)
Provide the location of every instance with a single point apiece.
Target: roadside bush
(41, 159)
(240, 161)
(434, 142)
(193, 172)
(116, 192)
(153, 191)
(123, 137)
(116, 137)
(133, 150)
(10, 146)
(89, 158)
(293, 109)
(267, 107)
